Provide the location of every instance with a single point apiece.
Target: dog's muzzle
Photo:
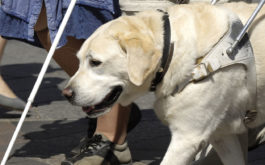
(107, 102)
(92, 110)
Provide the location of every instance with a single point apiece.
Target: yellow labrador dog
(120, 61)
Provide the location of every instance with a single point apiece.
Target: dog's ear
(142, 57)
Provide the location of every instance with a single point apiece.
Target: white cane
(39, 79)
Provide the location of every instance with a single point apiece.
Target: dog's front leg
(229, 150)
(182, 150)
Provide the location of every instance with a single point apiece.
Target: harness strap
(218, 58)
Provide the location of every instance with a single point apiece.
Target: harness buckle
(200, 72)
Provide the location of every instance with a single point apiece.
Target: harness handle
(231, 49)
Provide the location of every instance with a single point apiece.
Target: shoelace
(91, 144)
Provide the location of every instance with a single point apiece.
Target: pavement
(53, 126)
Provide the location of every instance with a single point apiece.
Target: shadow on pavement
(47, 139)
(5, 114)
(150, 139)
(22, 77)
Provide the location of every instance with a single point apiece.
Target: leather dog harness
(214, 60)
(218, 58)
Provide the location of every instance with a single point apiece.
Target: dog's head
(117, 64)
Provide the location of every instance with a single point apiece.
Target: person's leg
(2, 46)
(65, 57)
(4, 88)
(114, 124)
(8, 98)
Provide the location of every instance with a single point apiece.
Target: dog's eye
(94, 62)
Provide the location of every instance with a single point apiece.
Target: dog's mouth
(107, 102)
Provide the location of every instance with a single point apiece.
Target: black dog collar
(168, 50)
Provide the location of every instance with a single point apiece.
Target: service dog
(123, 58)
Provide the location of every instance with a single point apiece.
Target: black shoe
(98, 150)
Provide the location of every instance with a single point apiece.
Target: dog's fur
(212, 110)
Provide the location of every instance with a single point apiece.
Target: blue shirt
(18, 18)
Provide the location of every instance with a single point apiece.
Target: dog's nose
(68, 93)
